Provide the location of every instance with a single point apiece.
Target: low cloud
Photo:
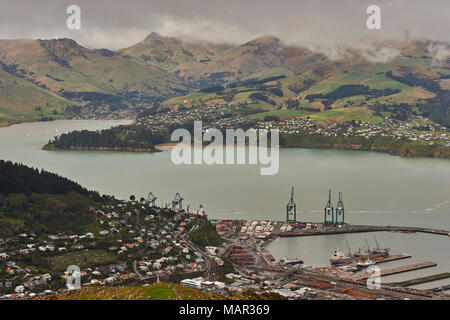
(326, 25)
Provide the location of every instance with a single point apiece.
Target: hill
(58, 78)
(156, 291)
(42, 202)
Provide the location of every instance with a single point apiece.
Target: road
(210, 270)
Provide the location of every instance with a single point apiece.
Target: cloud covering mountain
(321, 24)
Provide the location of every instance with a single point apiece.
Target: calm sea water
(377, 188)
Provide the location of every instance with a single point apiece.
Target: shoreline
(167, 146)
(116, 149)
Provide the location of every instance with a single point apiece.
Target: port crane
(328, 211)
(151, 199)
(340, 210)
(177, 202)
(367, 243)
(378, 246)
(291, 208)
(349, 250)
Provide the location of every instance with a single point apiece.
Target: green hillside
(156, 291)
(53, 79)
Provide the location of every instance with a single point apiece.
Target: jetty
(396, 270)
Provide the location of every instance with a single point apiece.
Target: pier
(401, 269)
(412, 282)
(361, 229)
(439, 289)
(389, 258)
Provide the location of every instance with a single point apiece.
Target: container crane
(328, 211)
(151, 200)
(177, 202)
(340, 211)
(291, 208)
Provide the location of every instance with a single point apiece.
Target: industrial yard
(347, 275)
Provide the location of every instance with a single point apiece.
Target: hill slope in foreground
(156, 291)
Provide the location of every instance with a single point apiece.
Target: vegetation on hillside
(206, 235)
(42, 202)
(156, 291)
(117, 138)
(401, 147)
(18, 178)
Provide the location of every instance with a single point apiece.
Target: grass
(282, 113)
(82, 258)
(205, 236)
(160, 291)
(156, 291)
(342, 114)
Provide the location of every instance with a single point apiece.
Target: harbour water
(378, 189)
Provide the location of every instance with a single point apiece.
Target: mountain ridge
(59, 78)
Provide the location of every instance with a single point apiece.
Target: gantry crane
(151, 199)
(328, 211)
(340, 211)
(177, 202)
(291, 208)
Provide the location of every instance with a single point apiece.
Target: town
(237, 116)
(138, 243)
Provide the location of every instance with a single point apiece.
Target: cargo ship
(372, 253)
(339, 258)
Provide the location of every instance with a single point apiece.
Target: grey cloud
(325, 25)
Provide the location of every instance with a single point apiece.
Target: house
(46, 277)
(30, 268)
(19, 289)
(11, 264)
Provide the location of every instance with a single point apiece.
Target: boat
(365, 264)
(372, 253)
(290, 261)
(339, 258)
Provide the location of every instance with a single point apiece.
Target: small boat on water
(365, 264)
(290, 261)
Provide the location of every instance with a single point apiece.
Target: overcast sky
(116, 24)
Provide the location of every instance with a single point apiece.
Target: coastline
(404, 153)
(117, 149)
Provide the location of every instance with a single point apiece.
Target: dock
(393, 257)
(439, 289)
(413, 282)
(401, 269)
(362, 229)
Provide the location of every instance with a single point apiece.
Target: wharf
(439, 289)
(401, 269)
(393, 257)
(413, 282)
(361, 229)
